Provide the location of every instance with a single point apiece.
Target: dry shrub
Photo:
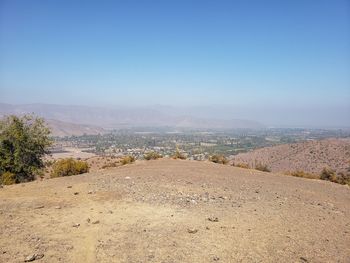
(68, 167)
(241, 165)
(109, 165)
(218, 159)
(127, 159)
(303, 174)
(328, 175)
(340, 178)
(8, 178)
(262, 167)
(179, 155)
(152, 156)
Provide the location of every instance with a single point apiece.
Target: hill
(61, 128)
(175, 211)
(310, 156)
(124, 117)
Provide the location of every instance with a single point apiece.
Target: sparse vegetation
(23, 143)
(8, 178)
(241, 165)
(127, 159)
(303, 174)
(328, 175)
(68, 167)
(179, 155)
(109, 165)
(152, 156)
(340, 178)
(262, 167)
(218, 159)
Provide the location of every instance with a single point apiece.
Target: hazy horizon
(280, 63)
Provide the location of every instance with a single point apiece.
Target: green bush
(262, 167)
(23, 143)
(218, 159)
(68, 167)
(127, 159)
(7, 178)
(152, 156)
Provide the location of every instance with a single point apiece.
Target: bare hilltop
(175, 211)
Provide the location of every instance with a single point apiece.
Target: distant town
(194, 144)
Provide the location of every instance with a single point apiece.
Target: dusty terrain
(310, 157)
(176, 211)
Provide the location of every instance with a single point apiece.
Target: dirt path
(158, 211)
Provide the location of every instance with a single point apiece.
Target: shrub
(109, 165)
(127, 159)
(343, 178)
(179, 155)
(241, 165)
(7, 178)
(68, 167)
(23, 143)
(340, 178)
(218, 159)
(328, 175)
(303, 175)
(262, 167)
(152, 156)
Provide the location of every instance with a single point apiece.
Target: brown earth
(158, 211)
(310, 156)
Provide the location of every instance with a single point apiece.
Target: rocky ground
(175, 211)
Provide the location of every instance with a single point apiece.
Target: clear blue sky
(284, 55)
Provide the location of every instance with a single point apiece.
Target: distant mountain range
(67, 120)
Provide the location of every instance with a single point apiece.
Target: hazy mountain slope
(123, 116)
(176, 211)
(60, 128)
(311, 156)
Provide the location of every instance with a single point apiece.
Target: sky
(279, 62)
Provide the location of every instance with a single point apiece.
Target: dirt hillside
(311, 156)
(175, 211)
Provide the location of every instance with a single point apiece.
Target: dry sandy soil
(159, 211)
(311, 156)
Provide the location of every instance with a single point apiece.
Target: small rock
(57, 207)
(192, 230)
(215, 258)
(39, 207)
(33, 257)
(96, 222)
(76, 193)
(213, 219)
(30, 258)
(69, 186)
(90, 192)
(88, 220)
(76, 225)
(127, 178)
(303, 259)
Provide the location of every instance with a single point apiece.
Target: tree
(23, 142)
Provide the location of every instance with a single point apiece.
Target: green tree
(23, 143)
